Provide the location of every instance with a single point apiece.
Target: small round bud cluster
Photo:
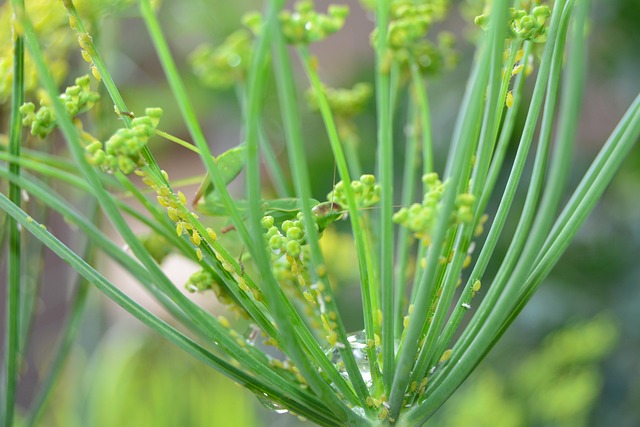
(409, 23)
(431, 58)
(225, 65)
(200, 281)
(51, 27)
(304, 25)
(253, 21)
(123, 150)
(366, 190)
(406, 37)
(288, 239)
(420, 218)
(76, 99)
(157, 246)
(344, 102)
(203, 280)
(464, 208)
(524, 25)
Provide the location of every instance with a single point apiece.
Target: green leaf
(230, 164)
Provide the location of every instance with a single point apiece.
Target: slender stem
(459, 159)
(403, 246)
(467, 353)
(583, 200)
(296, 349)
(13, 351)
(493, 108)
(298, 164)
(500, 218)
(283, 393)
(274, 169)
(568, 120)
(206, 324)
(363, 246)
(425, 116)
(190, 118)
(71, 330)
(385, 158)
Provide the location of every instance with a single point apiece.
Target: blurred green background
(571, 359)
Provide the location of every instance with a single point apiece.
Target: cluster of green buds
(51, 25)
(344, 102)
(200, 281)
(366, 191)
(203, 281)
(409, 23)
(225, 65)
(157, 246)
(524, 25)
(406, 37)
(123, 150)
(464, 208)
(430, 57)
(304, 25)
(76, 99)
(288, 238)
(420, 218)
(438, 8)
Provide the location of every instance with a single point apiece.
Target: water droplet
(424, 60)
(271, 405)
(358, 344)
(359, 410)
(234, 60)
(251, 334)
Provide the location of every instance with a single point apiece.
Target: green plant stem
(350, 142)
(583, 201)
(12, 342)
(160, 225)
(205, 323)
(298, 353)
(408, 190)
(420, 92)
(298, 164)
(302, 403)
(385, 158)
(471, 348)
(218, 333)
(430, 353)
(494, 233)
(66, 341)
(488, 304)
(186, 109)
(568, 120)
(281, 314)
(278, 179)
(189, 116)
(365, 259)
(179, 141)
(492, 116)
(459, 159)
